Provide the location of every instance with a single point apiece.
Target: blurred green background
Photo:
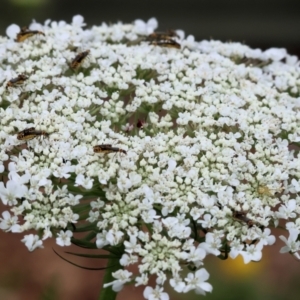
(263, 24)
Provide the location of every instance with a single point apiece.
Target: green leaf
(81, 208)
(83, 244)
(90, 236)
(83, 215)
(86, 227)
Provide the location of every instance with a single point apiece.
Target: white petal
(12, 30)
(276, 54)
(78, 20)
(152, 23)
(171, 165)
(205, 286)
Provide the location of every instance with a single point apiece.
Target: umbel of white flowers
(172, 149)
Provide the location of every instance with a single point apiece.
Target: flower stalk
(108, 293)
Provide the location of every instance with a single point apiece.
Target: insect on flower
(31, 133)
(241, 216)
(105, 148)
(78, 60)
(160, 36)
(167, 44)
(163, 39)
(25, 33)
(16, 81)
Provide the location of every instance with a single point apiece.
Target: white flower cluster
(198, 145)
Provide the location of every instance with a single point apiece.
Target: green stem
(113, 265)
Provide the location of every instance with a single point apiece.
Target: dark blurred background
(263, 24)
(258, 23)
